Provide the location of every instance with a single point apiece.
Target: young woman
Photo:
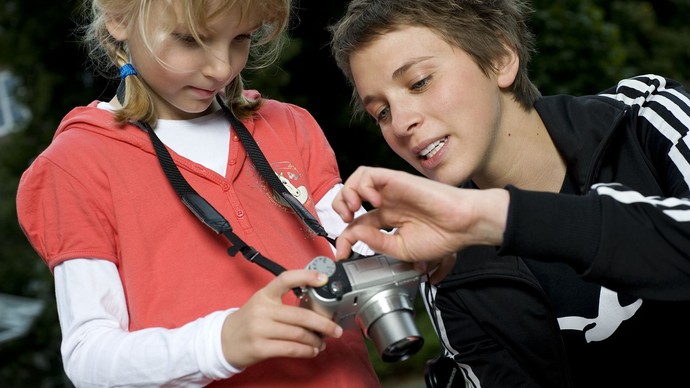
(572, 228)
(147, 294)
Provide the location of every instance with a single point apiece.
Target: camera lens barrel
(388, 320)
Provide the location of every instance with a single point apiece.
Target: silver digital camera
(375, 293)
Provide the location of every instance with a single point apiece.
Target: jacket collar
(581, 129)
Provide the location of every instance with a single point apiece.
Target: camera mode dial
(322, 264)
(338, 283)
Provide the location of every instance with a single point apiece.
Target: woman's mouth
(433, 148)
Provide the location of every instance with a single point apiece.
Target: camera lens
(396, 336)
(402, 349)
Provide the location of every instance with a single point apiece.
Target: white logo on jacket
(611, 314)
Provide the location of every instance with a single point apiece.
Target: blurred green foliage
(584, 46)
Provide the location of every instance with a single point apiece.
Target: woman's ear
(117, 28)
(507, 67)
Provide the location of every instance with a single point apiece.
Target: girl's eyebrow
(249, 30)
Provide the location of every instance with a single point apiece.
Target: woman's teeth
(433, 148)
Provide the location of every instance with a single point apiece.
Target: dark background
(584, 46)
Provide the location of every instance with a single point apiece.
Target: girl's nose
(218, 66)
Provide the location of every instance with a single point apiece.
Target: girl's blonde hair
(108, 54)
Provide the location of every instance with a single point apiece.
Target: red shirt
(98, 191)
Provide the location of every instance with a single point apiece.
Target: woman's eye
(382, 115)
(421, 84)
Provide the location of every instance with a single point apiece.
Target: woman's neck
(526, 156)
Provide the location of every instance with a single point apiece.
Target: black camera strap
(203, 210)
(269, 175)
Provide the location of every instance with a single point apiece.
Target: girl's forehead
(200, 13)
(159, 18)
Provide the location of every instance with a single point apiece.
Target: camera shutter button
(336, 288)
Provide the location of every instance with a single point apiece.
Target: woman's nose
(404, 119)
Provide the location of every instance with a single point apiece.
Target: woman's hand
(432, 220)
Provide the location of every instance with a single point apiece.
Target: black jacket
(591, 287)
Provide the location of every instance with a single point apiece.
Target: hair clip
(127, 70)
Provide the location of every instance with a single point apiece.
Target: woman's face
(184, 75)
(434, 105)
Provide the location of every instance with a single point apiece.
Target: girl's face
(434, 105)
(184, 75)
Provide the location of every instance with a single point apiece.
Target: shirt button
(225, 186)
(235, 138)
(239, 213)
(232, 162)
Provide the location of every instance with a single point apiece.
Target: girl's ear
(117, 28)
(507, 67)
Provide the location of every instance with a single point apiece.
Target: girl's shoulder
(283, 113)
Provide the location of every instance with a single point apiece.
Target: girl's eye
(243, 37)
(184, 38)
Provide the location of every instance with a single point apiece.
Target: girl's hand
(266, 328)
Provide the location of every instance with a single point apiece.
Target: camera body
(375, 293)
